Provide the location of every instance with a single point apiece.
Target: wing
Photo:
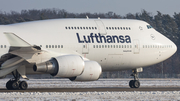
(20, 47)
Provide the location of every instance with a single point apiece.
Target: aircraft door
(101, 27)
(85, 49)
(136, 46)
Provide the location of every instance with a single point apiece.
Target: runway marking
(103, 89)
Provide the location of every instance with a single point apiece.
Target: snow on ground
(93, 96)
(98, 96)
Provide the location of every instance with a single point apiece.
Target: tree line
(163, 23)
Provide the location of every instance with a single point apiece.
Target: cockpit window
(149, 26)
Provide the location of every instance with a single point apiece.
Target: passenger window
(105, 46)
(66, 27)
(99, 46)
(124, 28)
(80, 27)
(84, 46)
(110, 28)
(89, 27)
(46, 46)
(49, 46)
(107, 28)
(77, 27)
(111, 46)
(74, 27)
(58, 46)
(116, 46)
(124, 46)
(119, 46)
(118, 28)
(92, 27)
(61, 46)
(102, 46)
(127, 46)
(115, 28)
(83, 27)
(108, 46)
(86, 27)
(55, 46)
(94, 46)
(71, 27)
(95, 28)
(52, 46)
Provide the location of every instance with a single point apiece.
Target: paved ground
(105, 89)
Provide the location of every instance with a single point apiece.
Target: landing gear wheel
(131, 84)
(15, 85)
(23, 85)
(136, 84)
(9, 85)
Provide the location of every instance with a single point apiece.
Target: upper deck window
(149, 26)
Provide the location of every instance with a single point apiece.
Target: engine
(62, 66)
(92, 71)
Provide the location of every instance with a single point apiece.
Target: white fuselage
(114, 44)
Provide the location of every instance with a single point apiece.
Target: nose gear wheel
(134, 83)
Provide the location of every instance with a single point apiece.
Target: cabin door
(85, 49)
(101, 27)
(136, 46)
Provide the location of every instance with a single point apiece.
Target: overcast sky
(121, 7)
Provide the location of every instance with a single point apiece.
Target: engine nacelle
(62, 66)
(92, 72)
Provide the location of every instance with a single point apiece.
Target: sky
(120, 7)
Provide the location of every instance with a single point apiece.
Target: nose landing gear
(135, 83)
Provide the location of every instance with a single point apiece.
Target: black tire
(15, 85)
(23, 85)
(136, 84)
(131, 84)
(9, 85)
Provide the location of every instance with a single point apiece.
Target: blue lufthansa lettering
(103, 39)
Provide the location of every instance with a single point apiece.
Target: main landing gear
(135, 83)
(15, 83)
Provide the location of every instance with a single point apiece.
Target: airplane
(79, 49)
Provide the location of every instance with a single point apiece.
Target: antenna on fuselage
(87, 17)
